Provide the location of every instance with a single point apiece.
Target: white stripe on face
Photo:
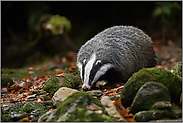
(87, 70)
(101, 72)
(80, 69)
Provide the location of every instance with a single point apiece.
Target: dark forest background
(25, 41)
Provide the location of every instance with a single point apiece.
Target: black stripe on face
(83, 69)
(96, 67)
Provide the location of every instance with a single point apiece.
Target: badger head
(91, 70)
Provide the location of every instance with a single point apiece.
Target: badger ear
(98, 62)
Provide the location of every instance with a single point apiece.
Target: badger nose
(85, 88)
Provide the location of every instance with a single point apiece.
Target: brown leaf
(124, 113)
(60, 75)
(28, 75)
(130, 120)
(91, 108)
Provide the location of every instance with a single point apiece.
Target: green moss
(6, 118)
(30, 106)
(52, 85)
(68, 80)
(171, 80)
(178, 68)
(5, 79)
(71, 81)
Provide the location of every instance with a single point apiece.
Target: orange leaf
(8, 85)
(27, 87)
(27, 76)
(130, 115)
(130, 120)
(124, 113)
(25, 118)
(62, 74)
(12, 91)
(49, 97)
(118, 85)
(110, 94)
(42, 98)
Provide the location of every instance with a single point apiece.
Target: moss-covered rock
(162, 110)
(52, 85)
(68, 80)
(178, 68)
(171, 80)
(145, 116)
(78, 107)
(5, 79)
(161, 105)
(147, 95)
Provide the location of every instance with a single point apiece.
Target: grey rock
(176, 111)
(45, 116)
(17, 116)
(96, 93)
(61, 95)
(145, 116)
(147, 95)
(162, 105)
(111, 109)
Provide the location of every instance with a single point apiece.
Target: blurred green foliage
(167, 15)
(165, 8)
(55, 23)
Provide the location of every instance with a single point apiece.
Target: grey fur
(128, 48)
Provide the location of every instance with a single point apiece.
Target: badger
(121, 50)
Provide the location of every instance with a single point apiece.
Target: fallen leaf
(130, 115)
(130, 120)
(91, 108)
(39, 100)
(8, 85)
(24, 119)
(124, 113)
(98, 111)
(110, 94)
(60, 75)
(4, 90)
(5, 105)
(31, 96)
(28, 75)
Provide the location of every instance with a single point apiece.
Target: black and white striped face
(91, 70)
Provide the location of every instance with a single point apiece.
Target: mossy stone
(52, 85)
(5, 79)
(74, 108)
(68, 80)
(147, 95)
(171, 80)
(145, 116)
(178, 68)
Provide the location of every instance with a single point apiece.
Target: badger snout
(85, 88)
